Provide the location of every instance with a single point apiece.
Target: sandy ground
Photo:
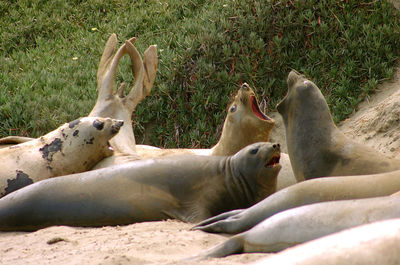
(166, 242)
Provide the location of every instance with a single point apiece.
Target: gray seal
(188, 188)
(315, 145)
(304, 193)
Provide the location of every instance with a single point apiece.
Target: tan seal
(114, 104)
(189, 188)
(244, 124)
(74, 147)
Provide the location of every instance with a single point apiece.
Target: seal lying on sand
(304, 193)
(189, 188)
(306, 223)
(315, 145)
(371, 244)
(73, 147)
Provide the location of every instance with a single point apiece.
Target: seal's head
(245, 123)
(255, 171)
(303, 100)
(94, 131)
(82, 143)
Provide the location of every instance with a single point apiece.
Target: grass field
(49, 52)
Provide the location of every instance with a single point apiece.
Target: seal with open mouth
(244, 124)
(189, 188)
(74, 147)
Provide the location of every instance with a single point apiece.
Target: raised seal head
(91, 131)
(303, 95)
(245, 123)
(255, 169)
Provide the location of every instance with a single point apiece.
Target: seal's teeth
(256, 109)
(110, 147)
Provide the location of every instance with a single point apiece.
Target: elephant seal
(315, 145)
(188, 188)
(115, 104)
(74, 147)
(244, 124)
(304, 193)
(376, 243)
(305, 223)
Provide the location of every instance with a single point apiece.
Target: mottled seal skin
(188, 188)
(74, 147)
(371, 244)
(305, 223)
(315, 145)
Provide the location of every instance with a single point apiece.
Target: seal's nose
(245, 86)
(119, 124)
(292, 78)
(276, 146)
(116, 126)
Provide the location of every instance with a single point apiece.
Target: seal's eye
(233, 108)
(254, 151)
(99, 125)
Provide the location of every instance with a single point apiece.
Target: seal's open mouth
(256, 109)
(110, 147)
(274, 161)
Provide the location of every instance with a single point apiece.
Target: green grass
(49, 52)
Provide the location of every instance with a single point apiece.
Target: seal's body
(376, 243)
(74, 147)
(305, 223)
(315, 145)
(304, 193)
(189, 188)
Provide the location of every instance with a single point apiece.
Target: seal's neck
(240, 190)
(310, 135)
(234, 138)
